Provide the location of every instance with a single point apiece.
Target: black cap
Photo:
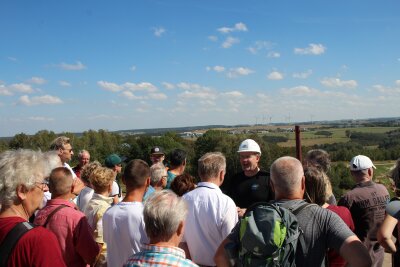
(157, 150)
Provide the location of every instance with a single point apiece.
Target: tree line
(102, 143)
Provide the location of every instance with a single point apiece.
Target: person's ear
(303, 183)
(181, 228)
(21, 191)
(271, 184)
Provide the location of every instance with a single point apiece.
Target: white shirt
(84, 197)
(211, 217)
(124, 232)
(66, 165)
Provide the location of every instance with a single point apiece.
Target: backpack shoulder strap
(52, 213)
(11, 239)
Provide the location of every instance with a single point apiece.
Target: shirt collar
(178, 252)
(58, 201)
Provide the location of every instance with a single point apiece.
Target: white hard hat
(249, 145)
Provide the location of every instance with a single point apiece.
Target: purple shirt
(72, 231)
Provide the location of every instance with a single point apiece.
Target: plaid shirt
(152, 255)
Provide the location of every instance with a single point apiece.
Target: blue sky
(80, 65)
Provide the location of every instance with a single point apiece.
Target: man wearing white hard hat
(366, 202)
(251, 185)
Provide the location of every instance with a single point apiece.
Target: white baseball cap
(249, 145)
(360, 162)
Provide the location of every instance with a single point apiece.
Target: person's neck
(63, 197)
(176, 170)
(134, 195)
(15, 211)
(252, 172)
(213, 181)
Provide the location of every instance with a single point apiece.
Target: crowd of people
(55, 215)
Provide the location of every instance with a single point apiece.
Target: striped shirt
(153, 255)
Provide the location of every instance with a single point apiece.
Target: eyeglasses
(69, 150)
(42, 185)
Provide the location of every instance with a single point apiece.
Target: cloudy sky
(78, 65)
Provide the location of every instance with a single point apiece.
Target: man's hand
(77, 186)
(240, 211)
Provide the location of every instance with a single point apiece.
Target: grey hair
(83, 151)
(20, 167)
(59, 142)
(163, 212)
(286, 175)
(210, 164)
(157, 171)
(52, 161)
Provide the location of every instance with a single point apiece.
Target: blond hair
(101, 179)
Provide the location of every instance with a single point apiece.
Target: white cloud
(77, 66)
(337, 83)
(4, 90)
(104, 117)
(191, 86)
(299, 91)
(37, 80)
(239, 27)
(229, 41)
(140, 86)
(312, 49)
(130, 95)
(39, 100)
(234, 94)
(202, 94)
(158, 31)
(38, 118)
(113, 87)
(133, 68)
(260, 45)
(275, 75)
(12, 59)
(213, 38)
(302, 75)
(169, 86)
(64, 83)
(157, 96)
(273, 54)
(388, 90)
(240, 71)
(21, 88)
(216, 68)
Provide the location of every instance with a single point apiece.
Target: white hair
(157, 171)
(163, 212)
(20, 167)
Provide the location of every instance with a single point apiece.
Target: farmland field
(309, 138)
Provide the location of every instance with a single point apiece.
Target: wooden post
(298, 142)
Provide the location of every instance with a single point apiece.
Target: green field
(309, 138)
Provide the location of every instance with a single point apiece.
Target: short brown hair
(182, 184)
(136, 173)
(210, 164)
(101, 178)
(60, 181)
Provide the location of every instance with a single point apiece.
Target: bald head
(287, 177)
(60, 183)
